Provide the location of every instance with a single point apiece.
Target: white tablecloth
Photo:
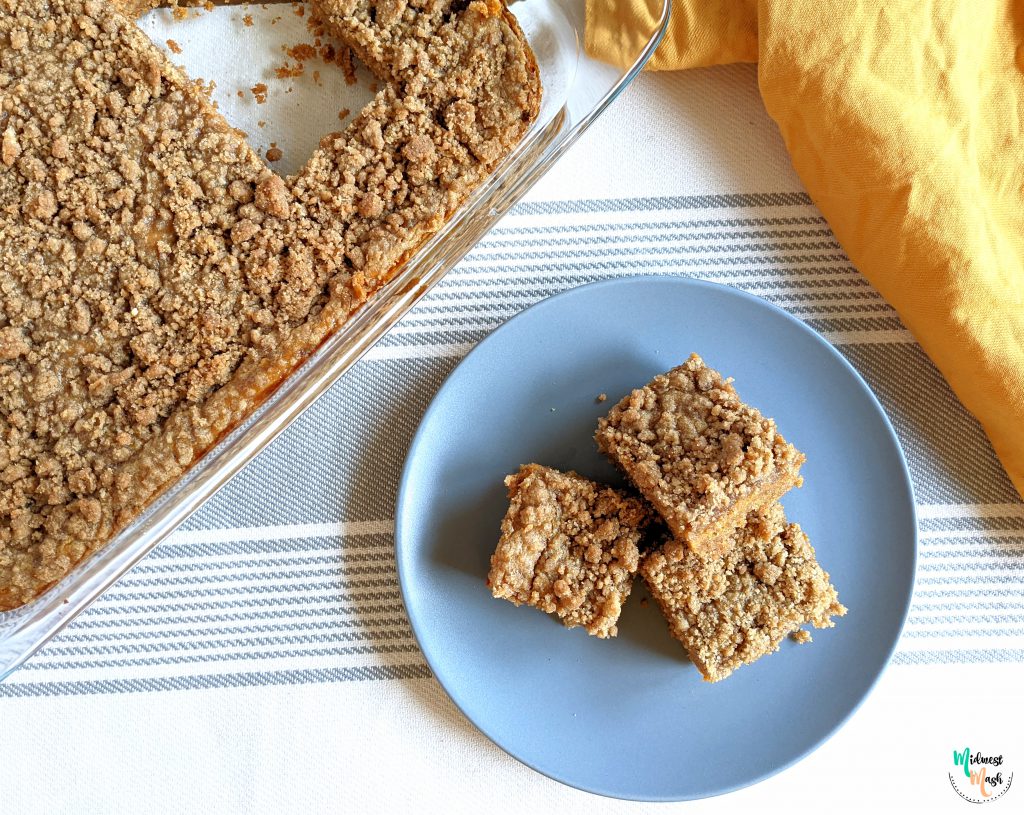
(260, 660)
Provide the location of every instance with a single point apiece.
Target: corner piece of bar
(568, 546)
(733, 609)
(698, 454)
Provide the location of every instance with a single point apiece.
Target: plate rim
(417, 440)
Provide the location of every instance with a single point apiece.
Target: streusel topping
(568, 546)
(158, 281)
(693, 449)
(733, 609)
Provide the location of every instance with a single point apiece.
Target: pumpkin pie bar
(735, 608)
(568, 546)
(698, 454)
(157, 281)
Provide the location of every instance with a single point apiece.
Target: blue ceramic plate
(631, 717)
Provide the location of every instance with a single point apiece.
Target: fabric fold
(904, 122)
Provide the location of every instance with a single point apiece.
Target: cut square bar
(733, 609)
(568, 546)
(699, 455)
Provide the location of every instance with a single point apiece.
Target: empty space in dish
(576, 90)
(274, 74)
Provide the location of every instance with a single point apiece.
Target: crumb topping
(701, 456)
(158, 280)
(731, 610)
(568, 546)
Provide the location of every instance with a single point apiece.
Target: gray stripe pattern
(291, 565)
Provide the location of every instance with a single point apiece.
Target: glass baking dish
(577, 89)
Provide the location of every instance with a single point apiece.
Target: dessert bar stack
(731, 575)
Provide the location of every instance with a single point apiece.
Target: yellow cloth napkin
(905, 122)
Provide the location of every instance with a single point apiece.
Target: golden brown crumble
(175, 48)
(158, 281)
(179, 8)
(303, 52)
(733, 609)
(568, 546)
(289, 71)
(698, 454)
(345, 60)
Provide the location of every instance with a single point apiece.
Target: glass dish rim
(24, 630)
